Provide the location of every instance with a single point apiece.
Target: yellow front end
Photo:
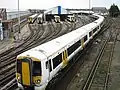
(25, 74)
(30, 20)
(28, 72)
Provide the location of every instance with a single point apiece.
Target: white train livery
(37, 66)
(32, 18)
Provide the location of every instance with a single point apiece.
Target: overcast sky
(45, 4)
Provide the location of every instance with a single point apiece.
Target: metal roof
(101, 9)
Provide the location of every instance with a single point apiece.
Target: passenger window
(90, 33)
(48, 65)
(85, 38)
(95, 29)
(57, 60)
(72, 48)
(19, 67)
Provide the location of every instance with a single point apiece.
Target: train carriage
(32, 18)
(71, 18)
(57, 19)
(40, 19)
(37, 66)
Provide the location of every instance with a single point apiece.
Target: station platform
(15, 40)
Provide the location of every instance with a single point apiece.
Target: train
(36, 67)
(71, 18)
(32, 18)
(40, 19)
(57, 19)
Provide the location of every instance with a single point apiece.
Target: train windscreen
(19, 66)
(36, 68)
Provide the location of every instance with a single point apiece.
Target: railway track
(8, 60)
(99, 74)
(13, 48)
(23, 22)
(7, 66)
(80, 77)
(15, 20)
(16, 26)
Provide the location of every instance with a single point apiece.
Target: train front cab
(71, 18)
(30, 20)
(29, 73)
(57, 19)
(40, 19)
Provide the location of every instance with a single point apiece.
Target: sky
(46, 4)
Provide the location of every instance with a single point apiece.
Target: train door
(49, 69)
(65, 58)
(26, 74)
(82, 42)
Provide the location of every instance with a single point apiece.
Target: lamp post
(89, 6)
(18, 17)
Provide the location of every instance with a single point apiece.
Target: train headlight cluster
(37, 79)
(18, 77)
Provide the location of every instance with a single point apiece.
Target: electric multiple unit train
(57, 19)
(36, 67)
(71, 18)
(40, 19)
(32, 18)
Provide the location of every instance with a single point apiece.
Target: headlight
(37, 79)
(18, 77)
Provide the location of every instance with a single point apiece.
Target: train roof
(70, 16)
(34, 15)
(94, 24)
(56, 16)
(49, 48)
(40, 15)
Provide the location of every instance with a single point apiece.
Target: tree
(114, 10)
